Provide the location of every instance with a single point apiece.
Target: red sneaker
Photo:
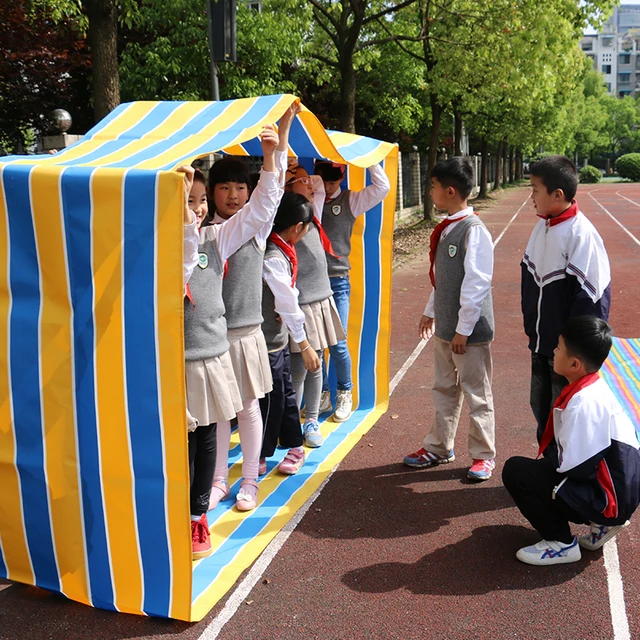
(200, 538)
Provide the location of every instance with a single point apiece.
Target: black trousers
(546, 386)
(279, 408)
(202, 464)
(530, 483)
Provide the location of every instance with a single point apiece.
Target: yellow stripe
(236, 150)
(172, 385)
(57, 385)
(254, 547)
(175, 121)
(357, 278)
(12, 533)
(386, 253)
(224, 121)
(117, 483)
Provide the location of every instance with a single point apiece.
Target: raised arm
(362, 201)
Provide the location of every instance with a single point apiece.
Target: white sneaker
(344, 405)
(550, 552)
(325, 402)
(600, 534)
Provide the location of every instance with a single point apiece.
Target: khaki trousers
(458, 376)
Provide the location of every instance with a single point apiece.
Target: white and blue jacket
(565, 273)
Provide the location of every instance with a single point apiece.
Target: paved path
(388, 552)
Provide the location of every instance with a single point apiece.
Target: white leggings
(307, 384)
(250, 428)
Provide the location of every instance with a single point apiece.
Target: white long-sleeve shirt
(478, 271)
(263, 234)
(277, 275)
(190, 260)
(361, 201)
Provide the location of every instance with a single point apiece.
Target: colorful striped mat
(621, 371)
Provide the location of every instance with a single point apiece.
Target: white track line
(236, 599)
(616, 592)
(5, 586)
(616, 220)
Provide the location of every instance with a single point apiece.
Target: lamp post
(221, 15)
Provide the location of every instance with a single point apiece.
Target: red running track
(390, 552)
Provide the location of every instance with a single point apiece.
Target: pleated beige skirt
(250, 360)
(321, 324)
(212, 390)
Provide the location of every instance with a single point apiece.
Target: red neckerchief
(561, 403)
(571, 212)
(187, 294)
(433, 244)
(324, 238)
(290, 252)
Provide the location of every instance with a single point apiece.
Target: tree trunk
(484, 169)
(498, 175)
(512, 173)
(103, 43)
(519, 172)
(457, 133)
(436, 114)
(347, 94)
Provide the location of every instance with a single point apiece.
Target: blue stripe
(254, 522)
(24, 369)
(300, 142)
(358, 148)
(121, 108)
(3, 566)
(371, 320)
(224, 138)
(76, 203)
(142, 388)
(155, 117)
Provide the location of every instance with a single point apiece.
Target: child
(198, 202)
(593, 473)
(340, 212)
(322, 321)
(242, 294)
(212, 389)
(461, 253)
(565, 273)
(283, 318)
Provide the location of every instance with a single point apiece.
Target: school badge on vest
(452, 250)
(203, 260)
(336, 209)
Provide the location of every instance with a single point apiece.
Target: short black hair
(293, 208)
(328, 170)
(589, 339)
(557, 172)
(229, 170)
(456, 172)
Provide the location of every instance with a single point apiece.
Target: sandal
(219, 492)
(247, 497)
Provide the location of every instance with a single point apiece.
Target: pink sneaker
(262, 466)
(247, 497)
(481, 469)
(292, 462)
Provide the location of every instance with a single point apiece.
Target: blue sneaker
(423, 458)
(550, 552)
(312, 435)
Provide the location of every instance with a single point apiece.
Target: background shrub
(590, 175)
(628, 166)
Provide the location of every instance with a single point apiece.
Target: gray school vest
(274, 329)
(338, 221)
(242, 287)
(313, 278)
(449, 273)
(205, 328)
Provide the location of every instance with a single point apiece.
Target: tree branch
(327, 61)
(318, 5)
(393, 9)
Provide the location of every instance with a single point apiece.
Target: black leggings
(202, 464)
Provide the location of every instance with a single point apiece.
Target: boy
(461, 252)
(593, 473)
(565, 273)
(339, 215)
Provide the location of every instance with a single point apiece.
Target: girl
(322, 322)
(229, 188)
(283, 317)
(212, 389)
